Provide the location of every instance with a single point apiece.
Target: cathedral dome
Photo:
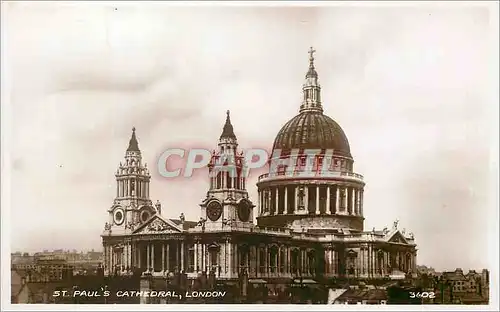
(312, 130)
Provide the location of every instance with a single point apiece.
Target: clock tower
(132, 205)
(227, 204)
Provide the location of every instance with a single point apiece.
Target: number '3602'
(424, 294)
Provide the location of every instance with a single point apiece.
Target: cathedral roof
(227, 131)
(311, 129)
(186, 224)
(133, 145)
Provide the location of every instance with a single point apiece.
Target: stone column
(327, 261)
(366, 259)
(168, 257)
(346, 208)
(177, 255)
(354, 210)
(230, 256)
(258, 263)
(132, 254)
(123, 255)
(107, 259)
(304, 261)
(328, 208)
(153, 256)
(261, 207)
(139, 255)
(285, 211)
(276, 201)
(369, 258)
(334, 261)
(317, 200)
(182, 256)
(148, 256)
(361, 202)
(236, 260)
(266, 260)
(226, 256)
(374, 261)
(358, 211)
(278, 261)
(288, 259)
(206, 260)
(195, 269)
(296, 208)
(414, 262)
(337, 199)
(129, 255)
(306, 199)
(162, 257)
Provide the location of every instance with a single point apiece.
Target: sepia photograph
(249, 153)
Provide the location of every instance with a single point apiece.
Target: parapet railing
(311, 174)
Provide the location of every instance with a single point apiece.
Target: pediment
(397, 237)
(158, 225)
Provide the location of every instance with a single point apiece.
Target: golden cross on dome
(311, 52)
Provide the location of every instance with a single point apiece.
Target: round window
(144, 216)
(118, 216)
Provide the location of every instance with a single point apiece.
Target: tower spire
(133, 145)
(227, 131)
(311, 88)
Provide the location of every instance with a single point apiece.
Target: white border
(492, 226)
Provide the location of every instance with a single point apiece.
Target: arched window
(218, 180)
(229, 180)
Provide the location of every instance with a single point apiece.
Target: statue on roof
(395, 225)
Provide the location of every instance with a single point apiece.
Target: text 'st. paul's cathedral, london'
(309, 227)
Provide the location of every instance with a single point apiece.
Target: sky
(411, 85)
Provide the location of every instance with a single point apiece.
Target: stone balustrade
(311, 174)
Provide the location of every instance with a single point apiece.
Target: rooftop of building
(363, 295)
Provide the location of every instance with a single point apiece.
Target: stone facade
(309, 218)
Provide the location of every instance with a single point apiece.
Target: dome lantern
(311, 89)
(311, 129)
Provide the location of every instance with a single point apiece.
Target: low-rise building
(362, 295)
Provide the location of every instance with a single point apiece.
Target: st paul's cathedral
(309, 229)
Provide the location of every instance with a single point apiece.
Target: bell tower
(227, 204)
(132, 205)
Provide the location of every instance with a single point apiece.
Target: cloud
(408, 86)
